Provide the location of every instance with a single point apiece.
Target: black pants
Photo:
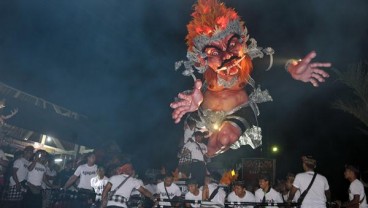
(84, 199)
(198, 171)
(32, 200)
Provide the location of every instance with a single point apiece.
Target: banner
(252, 168)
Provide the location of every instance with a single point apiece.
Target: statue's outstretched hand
(308, 71)
(187, 102)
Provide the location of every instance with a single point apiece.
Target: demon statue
(219, 47)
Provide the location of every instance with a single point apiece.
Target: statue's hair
(208, 17)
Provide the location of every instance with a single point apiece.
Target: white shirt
(125, 190)
(190, 196)
(173, 190)
(249, 197)
(22, 165)
(136, 192)
(35, 176)
(219, 198)
(197, 154)
(316, 197)
(85, 174)
(188, 134)
(51, 173)
(98, 185)
(270, 197)
(356, 188)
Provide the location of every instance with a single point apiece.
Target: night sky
(113, 61)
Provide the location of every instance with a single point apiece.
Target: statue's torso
(224, 100)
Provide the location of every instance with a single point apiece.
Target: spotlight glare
(48, 139)
(275, 149)
(58, 160)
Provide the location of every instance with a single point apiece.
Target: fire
(229, 177)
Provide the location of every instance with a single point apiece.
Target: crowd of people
(34, 180)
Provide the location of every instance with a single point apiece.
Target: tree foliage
(356, 78)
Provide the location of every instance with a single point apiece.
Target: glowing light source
(58, 160)
(275, 149)
(48, 139)
(233, 172)
(216, 126)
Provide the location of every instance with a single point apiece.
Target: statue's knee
(228, 139)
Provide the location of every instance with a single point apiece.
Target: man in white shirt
(127, 183)
(240, 194)
(194, 193)
(168, 190)
(266, 194)
(85, 173)
(98, 183)
(213, 192)
(14, 196)
(198, 152)
(319, 193)
(356, 189)
(36, 176)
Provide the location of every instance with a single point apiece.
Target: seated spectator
(240, 194)
(281, 188)
(194, 193)
(266, 194)
(212, 191)
(168, 190)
